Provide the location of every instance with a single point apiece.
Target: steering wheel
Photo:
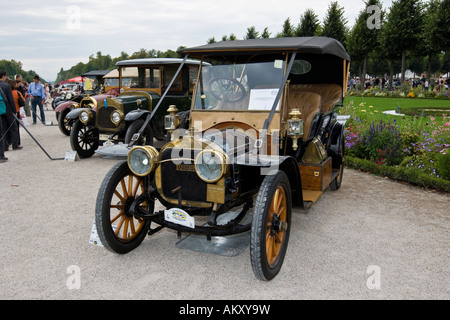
(226, 89)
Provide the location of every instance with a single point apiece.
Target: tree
(13, 67)
(363, 40)
(443, 18)
(334, 24)
(445, 67)
(401, 33)
(266, 33)
(288, 30)
(431, 44)
(309, 23)
(252, 33)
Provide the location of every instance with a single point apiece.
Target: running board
(311, 195)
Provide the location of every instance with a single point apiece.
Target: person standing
(10, 125)
(2, 134)
(37, 93)
(19, 101)
(23, 89)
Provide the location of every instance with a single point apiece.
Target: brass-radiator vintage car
(261, 137)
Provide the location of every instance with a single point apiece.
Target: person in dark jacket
(9, 119)
(2, 134)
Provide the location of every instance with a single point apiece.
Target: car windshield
(239, 86)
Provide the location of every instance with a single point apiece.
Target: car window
(240, 86)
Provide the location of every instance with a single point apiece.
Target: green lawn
(417, 114)
(408, 106)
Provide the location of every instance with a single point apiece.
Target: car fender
(66, 105)
(335, 143)
(136, 114)
(270, 164)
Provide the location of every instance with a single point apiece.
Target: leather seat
(330, 93)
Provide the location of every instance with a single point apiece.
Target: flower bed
(409, 146)
(403, 91)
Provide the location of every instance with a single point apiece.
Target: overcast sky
(49, 35)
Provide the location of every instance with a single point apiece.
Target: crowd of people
(431, 84)
(19, 100)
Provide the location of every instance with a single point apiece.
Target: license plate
(104, 137)
(179, 216)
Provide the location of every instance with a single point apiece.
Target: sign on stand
(71, 156)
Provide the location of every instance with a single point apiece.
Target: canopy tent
(76, 79)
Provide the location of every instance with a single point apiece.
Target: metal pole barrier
(36, 140)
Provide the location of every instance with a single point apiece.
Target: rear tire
(336, 183)
(271, 226)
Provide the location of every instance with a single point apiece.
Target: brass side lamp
(171, 121)
(295, 127)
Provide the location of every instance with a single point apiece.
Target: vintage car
(66, 96)
(68, 100)
(262, 134)
(63, 109)
(118, 119)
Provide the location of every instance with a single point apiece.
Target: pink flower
(448, 124)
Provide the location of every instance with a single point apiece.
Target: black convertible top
(313, 45)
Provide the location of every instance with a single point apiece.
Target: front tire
(84, 139)
(63, 122)
(271, 226)
(118, 230)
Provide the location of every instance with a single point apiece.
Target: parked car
(117, 119)
(66, 96)
(262, 133)
(63, 109)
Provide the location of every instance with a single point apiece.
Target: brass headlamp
(295, 127)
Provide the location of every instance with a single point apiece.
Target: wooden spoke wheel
(275, 229)
(118, 230)
(271, 226)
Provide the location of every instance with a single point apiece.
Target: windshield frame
(239, 78)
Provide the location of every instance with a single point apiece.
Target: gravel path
(372, 239)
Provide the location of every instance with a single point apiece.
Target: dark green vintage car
(118, 119)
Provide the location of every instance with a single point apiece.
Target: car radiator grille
(174, 175)
(104, 118)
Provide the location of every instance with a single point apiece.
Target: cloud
(54, 34)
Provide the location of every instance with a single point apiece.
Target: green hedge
(411, 175)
